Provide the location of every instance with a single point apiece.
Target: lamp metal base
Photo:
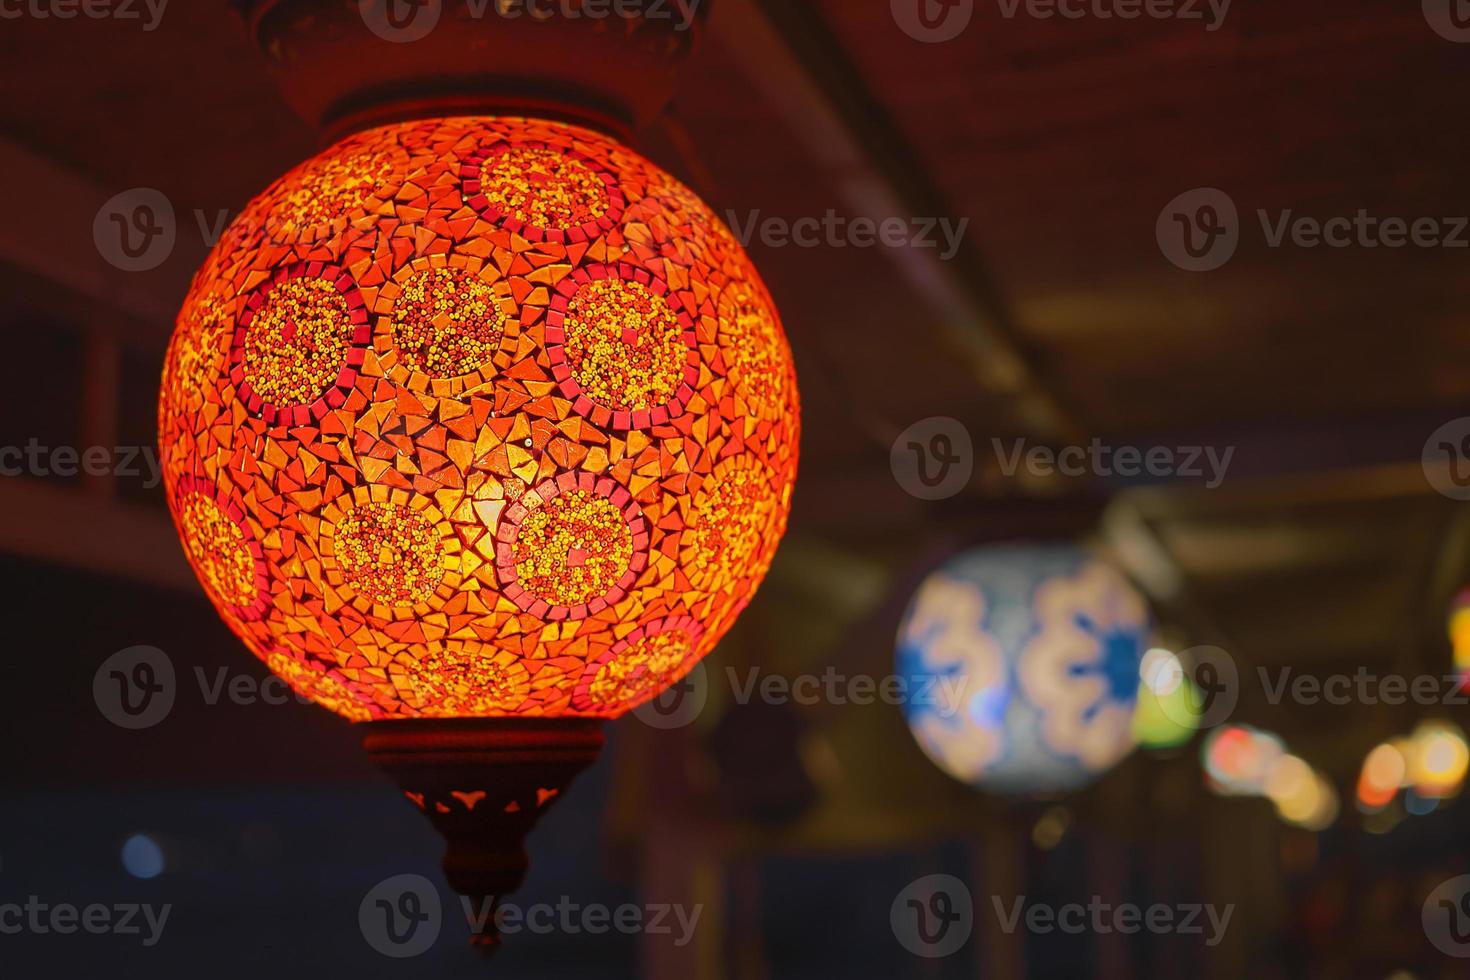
(484, 783)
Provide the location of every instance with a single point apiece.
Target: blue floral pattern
(1030, 657)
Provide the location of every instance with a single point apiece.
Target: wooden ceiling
(1065, 139)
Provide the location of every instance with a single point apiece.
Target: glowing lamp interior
(479, 417)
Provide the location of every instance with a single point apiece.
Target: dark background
(795, 828)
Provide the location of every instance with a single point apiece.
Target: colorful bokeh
(1459, 627)
(479, 417)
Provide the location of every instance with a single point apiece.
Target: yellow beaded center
(218, 548)
(389, 553)
(327, 189)
(625, 345)
(543, 188)
(446, 323)
(573, 549)
(752, 346)
(643, 668)
(297, 341)
(727, 528)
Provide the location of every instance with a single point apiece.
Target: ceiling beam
(77, 529)
(791, 56)
(48, 233)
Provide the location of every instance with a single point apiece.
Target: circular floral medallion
(542, 193)
(299, 344)
(640, 665)
(622, 348)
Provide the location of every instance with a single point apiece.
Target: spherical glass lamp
(480, 431)
(1022, 667)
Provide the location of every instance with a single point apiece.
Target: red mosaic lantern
(480, 430)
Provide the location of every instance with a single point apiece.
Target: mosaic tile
(479, 417)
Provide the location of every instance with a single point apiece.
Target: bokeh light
(1438, 760)
(1238, 759)
(1243, 761)
(1036, 654)
(142, 857)
(1302, 796)
(1459, 628)
(1168, 711)
(1385, 772)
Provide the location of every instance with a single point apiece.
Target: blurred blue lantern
(1021, 667)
